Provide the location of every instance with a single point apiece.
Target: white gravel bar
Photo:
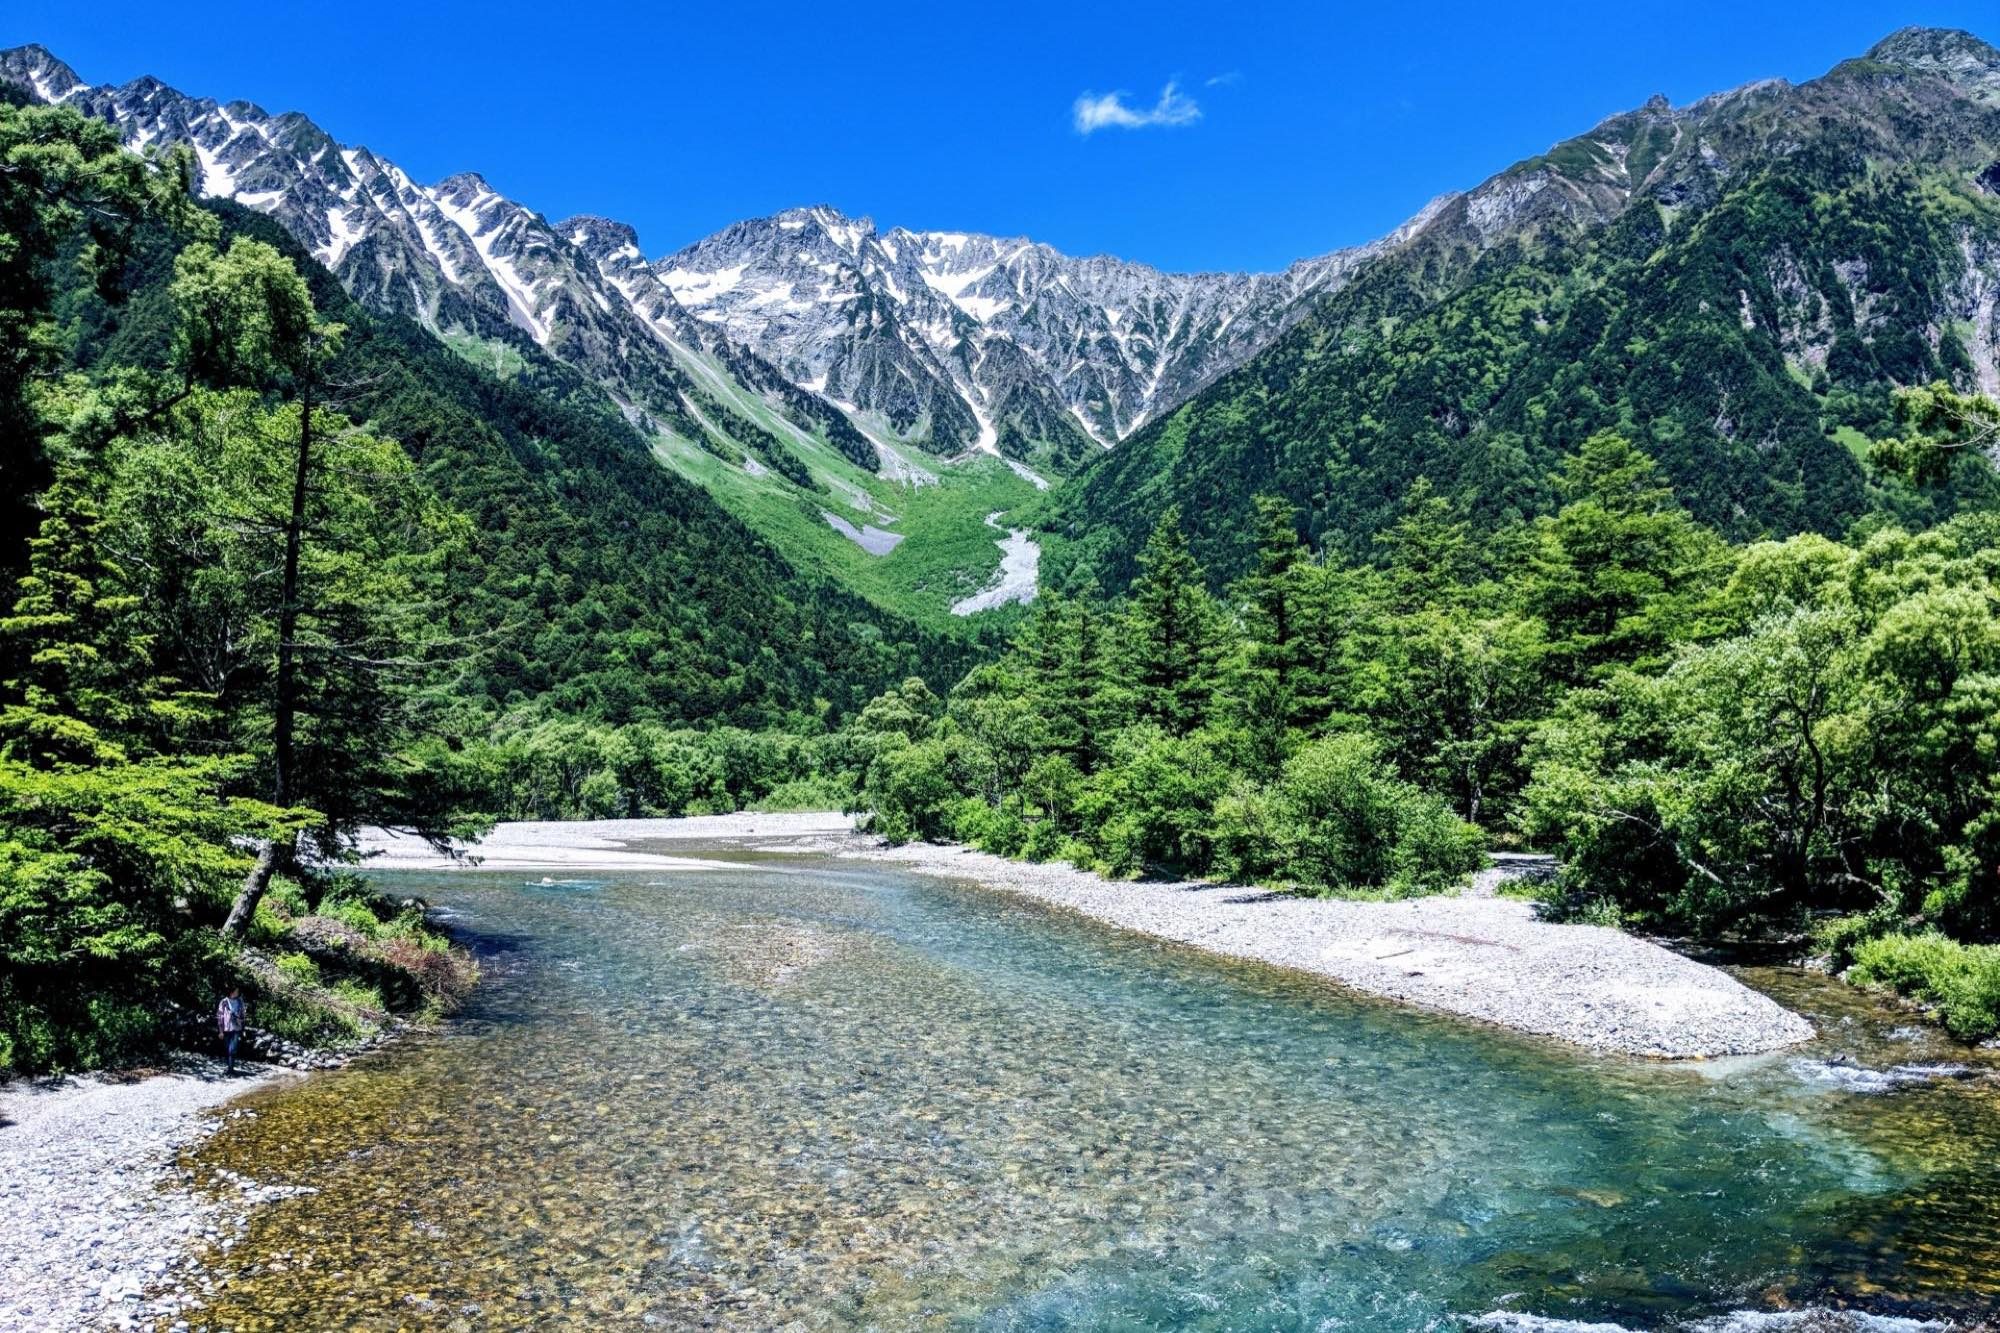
(97, 1226)
(1477, 957)
(593, 844)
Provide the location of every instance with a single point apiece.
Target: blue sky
(1287, 130)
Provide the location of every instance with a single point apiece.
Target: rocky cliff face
(956, 339)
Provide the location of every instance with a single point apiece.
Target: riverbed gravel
(1481, 957)
(99, 1225)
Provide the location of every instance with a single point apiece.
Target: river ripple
(809, 1095)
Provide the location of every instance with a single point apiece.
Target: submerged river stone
(822, 1095)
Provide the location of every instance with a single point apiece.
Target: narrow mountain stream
(818, 1095)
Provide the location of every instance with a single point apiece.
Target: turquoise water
(816, 1095)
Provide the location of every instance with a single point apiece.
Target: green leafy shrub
(286, 897)
(1583, 909)
(1249, 833)
(305, 1019)
(990, 828)
(816, 792)
(355, 913)
(1152, 809)
(270, 925)
(1838, 937)
(1960, 981)
(1352, 824)
(914, 793)
(1045, 841)
(298, 969)
(359, 994)
(1435, 849)
(408, 925)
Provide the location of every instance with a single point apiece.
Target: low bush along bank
(327, 964)
(330, 962)
(1959, 983)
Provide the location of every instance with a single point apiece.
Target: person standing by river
(229, 1023)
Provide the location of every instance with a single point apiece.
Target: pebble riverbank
(99, 1225)
(1486, 958)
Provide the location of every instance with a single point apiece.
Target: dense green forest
(1750, 740)
(282, 568)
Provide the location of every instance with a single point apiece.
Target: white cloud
(1224, 80)
(1096, 112)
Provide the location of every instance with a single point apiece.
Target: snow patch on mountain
(1094, 347)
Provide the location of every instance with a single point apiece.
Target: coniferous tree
(1172, 634)
(1430, 551)
(65, 174)
(1621, 562)
(1064, 650)
(1265, 683)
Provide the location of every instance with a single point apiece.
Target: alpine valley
(895, 779)
(863, 399)
(1746, 276)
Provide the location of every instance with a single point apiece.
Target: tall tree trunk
(280, 852)
(276, 855)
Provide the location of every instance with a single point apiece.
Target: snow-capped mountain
(953, 338)
(466, 261)
(949, 341)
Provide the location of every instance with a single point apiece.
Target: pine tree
(1429, 550)
(1172, 634)
(85, 674)
(1064, 652)
(1264, 685)
(1621, 562)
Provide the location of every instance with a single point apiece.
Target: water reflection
(838, 1099)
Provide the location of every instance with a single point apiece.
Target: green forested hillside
(278, 569)
(1737, 287)
(597, 582)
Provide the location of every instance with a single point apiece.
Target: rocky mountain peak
(955, 339)
(846, 232)
(599, 238)
(35, 68)
(1948, 51)
(464, 187)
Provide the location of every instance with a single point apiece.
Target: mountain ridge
(953, 355)
(824, 352)
(1738, 284)
(899, 321)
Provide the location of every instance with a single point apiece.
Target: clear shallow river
(827, 1095)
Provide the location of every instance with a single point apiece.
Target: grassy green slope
(938, 507)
